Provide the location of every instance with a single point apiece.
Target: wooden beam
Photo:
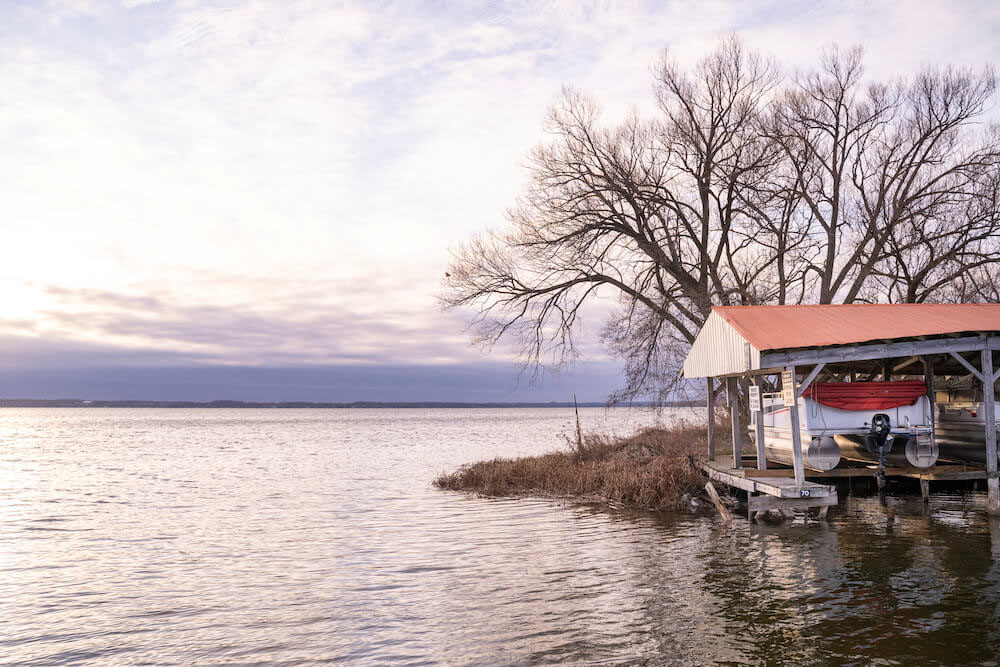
(931, 396)
(793, 412)
(717, 501)
(711, 418)
(908, 362)
(759, 418)
(733, 396)
(809, 378)
(989, 416)
(781, 487)
(764, 503)
(972, 369)
(779, 359)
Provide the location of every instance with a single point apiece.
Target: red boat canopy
(866, 395)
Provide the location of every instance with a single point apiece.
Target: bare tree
(740, 192)
(897, 187)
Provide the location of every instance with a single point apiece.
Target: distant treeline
(79, 403)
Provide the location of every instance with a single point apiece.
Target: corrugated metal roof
(734, 339)
(786, 327)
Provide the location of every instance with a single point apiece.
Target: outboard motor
(880, 431)
(881, 427)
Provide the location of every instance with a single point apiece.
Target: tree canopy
(748, 187)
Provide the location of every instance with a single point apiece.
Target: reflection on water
(175, 536)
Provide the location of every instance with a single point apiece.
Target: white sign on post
(788, 388)
(754, 398)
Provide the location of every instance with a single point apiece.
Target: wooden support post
(761, 452)
(717, 501)
(886, 370)
(711, 418)
(793, 413)
(733, 395)
(931, 396)
(989, 416)
(925, 489)
(822, 512)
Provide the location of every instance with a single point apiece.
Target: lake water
(302, 536)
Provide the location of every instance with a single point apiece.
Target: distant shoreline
(80, 403)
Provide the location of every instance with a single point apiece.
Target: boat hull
(961, 432)
(818, 452)
(962, 442)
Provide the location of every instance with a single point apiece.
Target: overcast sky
(229, 199)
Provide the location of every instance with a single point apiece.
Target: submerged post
(789, 390)
(989, 416)
(733, 396)
(711, 419)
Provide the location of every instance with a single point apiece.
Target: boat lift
(791, 347)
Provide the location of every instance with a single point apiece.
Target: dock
(769, 490)
(775, 488)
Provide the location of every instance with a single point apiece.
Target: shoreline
(654, 469)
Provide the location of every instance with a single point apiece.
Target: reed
(652, 469)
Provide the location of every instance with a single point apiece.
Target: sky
(255, 200)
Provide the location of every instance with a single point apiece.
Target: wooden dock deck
(775, 487)
(769, 491)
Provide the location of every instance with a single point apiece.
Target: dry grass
(652, 469)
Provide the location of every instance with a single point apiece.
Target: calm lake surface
(301, 536)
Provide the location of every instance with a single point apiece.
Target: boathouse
(788, 348)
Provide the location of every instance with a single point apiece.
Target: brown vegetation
(653, 469)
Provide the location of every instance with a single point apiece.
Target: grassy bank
(654, 469)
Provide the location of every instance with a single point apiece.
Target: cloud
(295, 326)
(51, 368)
(248, 182)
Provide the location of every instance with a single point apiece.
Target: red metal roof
(783, 327)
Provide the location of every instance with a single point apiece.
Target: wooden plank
(847, 353)
(711, 419)
(989, 416)
(772, 472)
(732, 395)
(931, 396)
(788, 488)
(764, 503)
(776, 486)
(840, 472)
(954, 476)
(717, 501)
(940, 472)
(960, 359)
(809, 378)
(793, 412)
(736, 480)
(759, 419)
